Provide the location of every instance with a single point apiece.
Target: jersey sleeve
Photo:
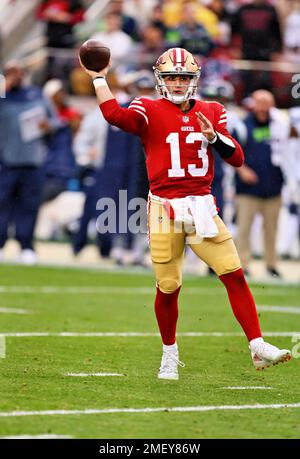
(133, 119)
(227, 147)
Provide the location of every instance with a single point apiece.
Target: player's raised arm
(129, 120)
(96, 62)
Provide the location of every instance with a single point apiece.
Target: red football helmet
(177, 61)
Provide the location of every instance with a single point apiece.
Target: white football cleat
(28, 257)
(264, 355)
(169, 365)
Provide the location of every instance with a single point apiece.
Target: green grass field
(33, 373)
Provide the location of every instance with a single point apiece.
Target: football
(94, 55)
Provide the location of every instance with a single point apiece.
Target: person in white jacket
(291, 169)
(89, 149)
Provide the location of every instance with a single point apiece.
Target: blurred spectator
(151, 46)
(90, 144)
(292, 28)
(257, 26)
(223, 92)
(1, 45)
(25, 119)
(143, 85)
(191, 34)
(119, 42)
(214, 69)
(118, 172)
(80, 85)
(121, 172)
(60, 16)
(55, 91)
(90, 150)
(144, 80)
(156, 18)
(140, 10)
(112, 156)
(173, 11)
(224, 30)
(129, 24)
(291, 169)
(60, 162)
(259, 181)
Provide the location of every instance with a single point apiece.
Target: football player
(178, 133)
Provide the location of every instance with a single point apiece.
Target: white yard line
(120, 290)
(78, 290)
(284, 309)
(14, 311)
(247, 388)
(84, 375)
(36, 437)
(185, 409)
(139, 334)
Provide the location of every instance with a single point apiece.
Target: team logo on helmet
(177, 61)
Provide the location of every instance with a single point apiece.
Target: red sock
(242, 303)
(166, 310)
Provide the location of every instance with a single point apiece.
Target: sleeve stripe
(226, 140)
(137, 106)
(135, 101)
(141, 113)
(223, 115)
(222, 121)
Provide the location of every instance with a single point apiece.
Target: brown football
(94, 55)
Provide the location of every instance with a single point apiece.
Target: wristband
(99, 82)
(214, 139)
(223, 145)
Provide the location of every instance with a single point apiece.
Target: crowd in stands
(240, 45)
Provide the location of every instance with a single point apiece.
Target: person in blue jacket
(259, 181)
(26, 119)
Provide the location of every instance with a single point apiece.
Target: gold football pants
(167, 242)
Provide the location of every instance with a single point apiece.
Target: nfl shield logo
(185, 119)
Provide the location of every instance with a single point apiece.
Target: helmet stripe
(182, 57)
(174, 56)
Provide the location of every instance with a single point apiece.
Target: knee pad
(168, 285)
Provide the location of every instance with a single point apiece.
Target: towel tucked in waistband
(193, 210)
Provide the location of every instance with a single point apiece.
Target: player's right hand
(247, 175)
(94, 74)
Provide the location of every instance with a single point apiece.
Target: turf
(32, 376)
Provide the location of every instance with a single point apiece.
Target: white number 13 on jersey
(176, 169)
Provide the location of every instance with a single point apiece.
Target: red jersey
(60, 6)
(69, 114)
(179, 158)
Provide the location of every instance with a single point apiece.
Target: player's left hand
(206, 126)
